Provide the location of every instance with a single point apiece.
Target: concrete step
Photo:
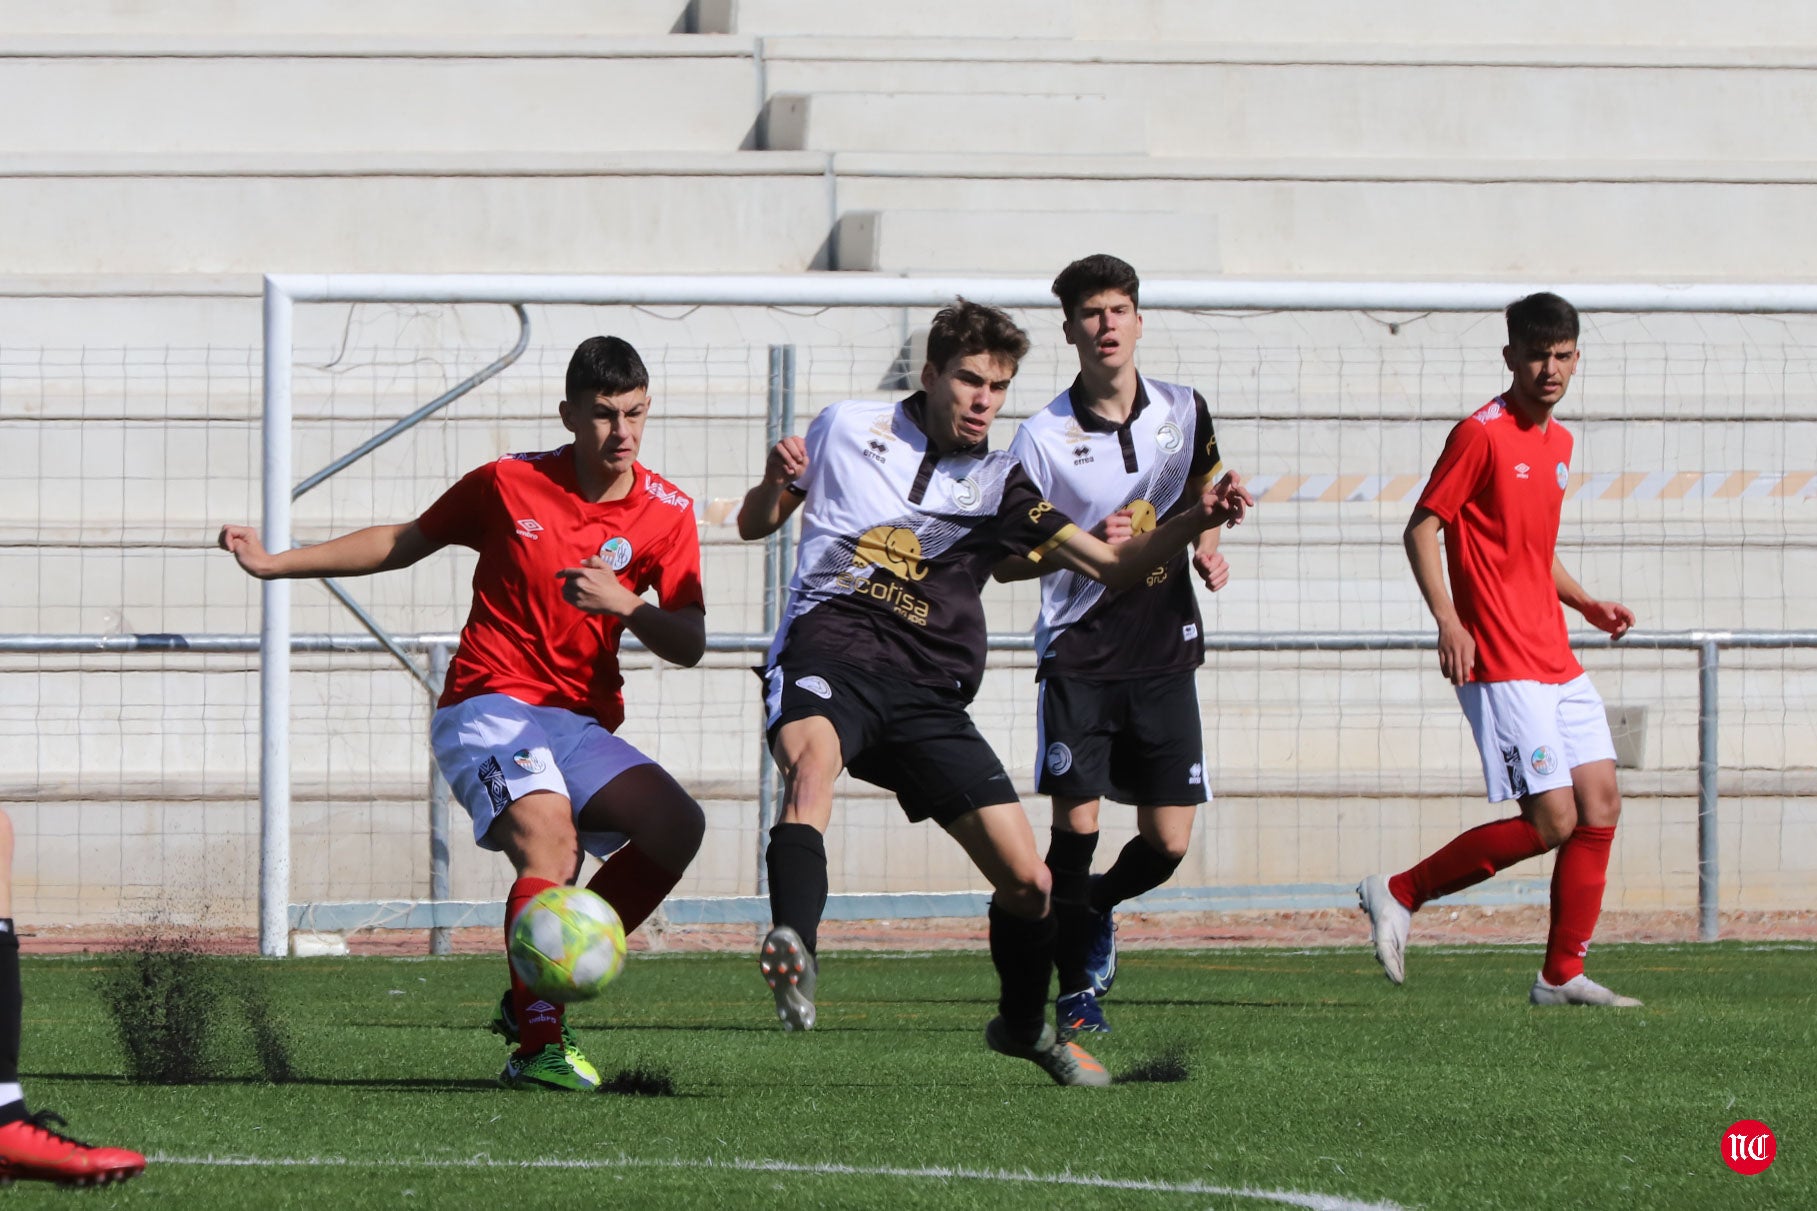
(518, 214)
(1008, 241)
(359, 18)
(928, 18)
(1682, 23)
(277, 98)
(962, 123)
(1310, 103)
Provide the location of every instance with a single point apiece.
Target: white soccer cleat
(1578, 990)
(791, 972)
(1389, 922)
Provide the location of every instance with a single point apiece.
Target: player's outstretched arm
(1610, 616)
(1128, 564)
(767, 505)
(1113, 529)
(1456, 649)
(373, 549)
(678, 636)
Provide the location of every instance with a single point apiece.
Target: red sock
(1467, 860)
(1578, 879)
(632, 884)
(539, 1023)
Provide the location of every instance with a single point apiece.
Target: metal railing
(439, 913)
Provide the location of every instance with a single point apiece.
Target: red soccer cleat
(31, 1151)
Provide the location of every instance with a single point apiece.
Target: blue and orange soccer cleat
(31, 1150)
(1078, 1013)
(1101, 960)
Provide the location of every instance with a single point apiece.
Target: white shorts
(495, 749)
(1532, 735)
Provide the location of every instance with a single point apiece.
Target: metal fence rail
(439, 914)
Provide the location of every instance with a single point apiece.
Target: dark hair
(1540, 321)
(1094, 275)
(604, 365)
(966, 328)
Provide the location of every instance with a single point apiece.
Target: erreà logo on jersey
(896, 550)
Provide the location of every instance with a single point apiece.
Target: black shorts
(915, 740)
(1136, 741)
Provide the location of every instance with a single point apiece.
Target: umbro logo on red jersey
(1520, 470)
(528, 527)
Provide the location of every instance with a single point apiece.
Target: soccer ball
(567, 944)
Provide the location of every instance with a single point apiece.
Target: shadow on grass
(390, 1084)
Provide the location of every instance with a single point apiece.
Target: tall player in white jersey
(1119, 710)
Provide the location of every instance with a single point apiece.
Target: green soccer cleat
(504, 1024)
(562, 1069)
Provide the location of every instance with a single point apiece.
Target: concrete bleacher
(157, 160)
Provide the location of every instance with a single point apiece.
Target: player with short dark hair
(31, 1147)
(1119, 704)
(1496, 492)
(568, 540)
(905, 512)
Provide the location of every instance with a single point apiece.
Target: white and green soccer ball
(567, 944)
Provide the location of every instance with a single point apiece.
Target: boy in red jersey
(568, 541)
(1496, 492)
(31, 1149)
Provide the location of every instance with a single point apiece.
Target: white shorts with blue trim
(495, 749)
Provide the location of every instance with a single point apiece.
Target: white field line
(1291, 1198)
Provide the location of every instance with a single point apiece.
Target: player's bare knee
(1025, 893)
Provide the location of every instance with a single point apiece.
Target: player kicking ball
(905, 512)
(569, 540)
(1496, 492)
(1119, 707)
(31, 1147)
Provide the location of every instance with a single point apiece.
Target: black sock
(1023, 953)
(797, 864)
(1139, 868)
(12, 1015)
(1069, 858)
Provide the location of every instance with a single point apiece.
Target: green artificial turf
(1307, 1074)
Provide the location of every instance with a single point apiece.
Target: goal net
(1333, 747)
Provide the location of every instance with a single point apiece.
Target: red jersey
(1499, 487)
(525, 516)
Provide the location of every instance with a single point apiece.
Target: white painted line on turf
(1291, 1198)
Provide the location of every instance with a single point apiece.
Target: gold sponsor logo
(891, 547)
(1041, 509)
(898, 551)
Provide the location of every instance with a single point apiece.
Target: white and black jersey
(897, 542)
(1155, 464)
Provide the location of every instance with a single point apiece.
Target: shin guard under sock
(539, 1023)
(1466, 860)
(1023, 953)
(1139, 868)
(796, 860)
(1069, 858)
(1578, 879)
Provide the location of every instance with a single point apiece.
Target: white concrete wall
(158, 161)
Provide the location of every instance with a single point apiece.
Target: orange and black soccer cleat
(31, 1150)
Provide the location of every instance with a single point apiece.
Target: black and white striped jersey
(897, 542)
(1154, 464)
